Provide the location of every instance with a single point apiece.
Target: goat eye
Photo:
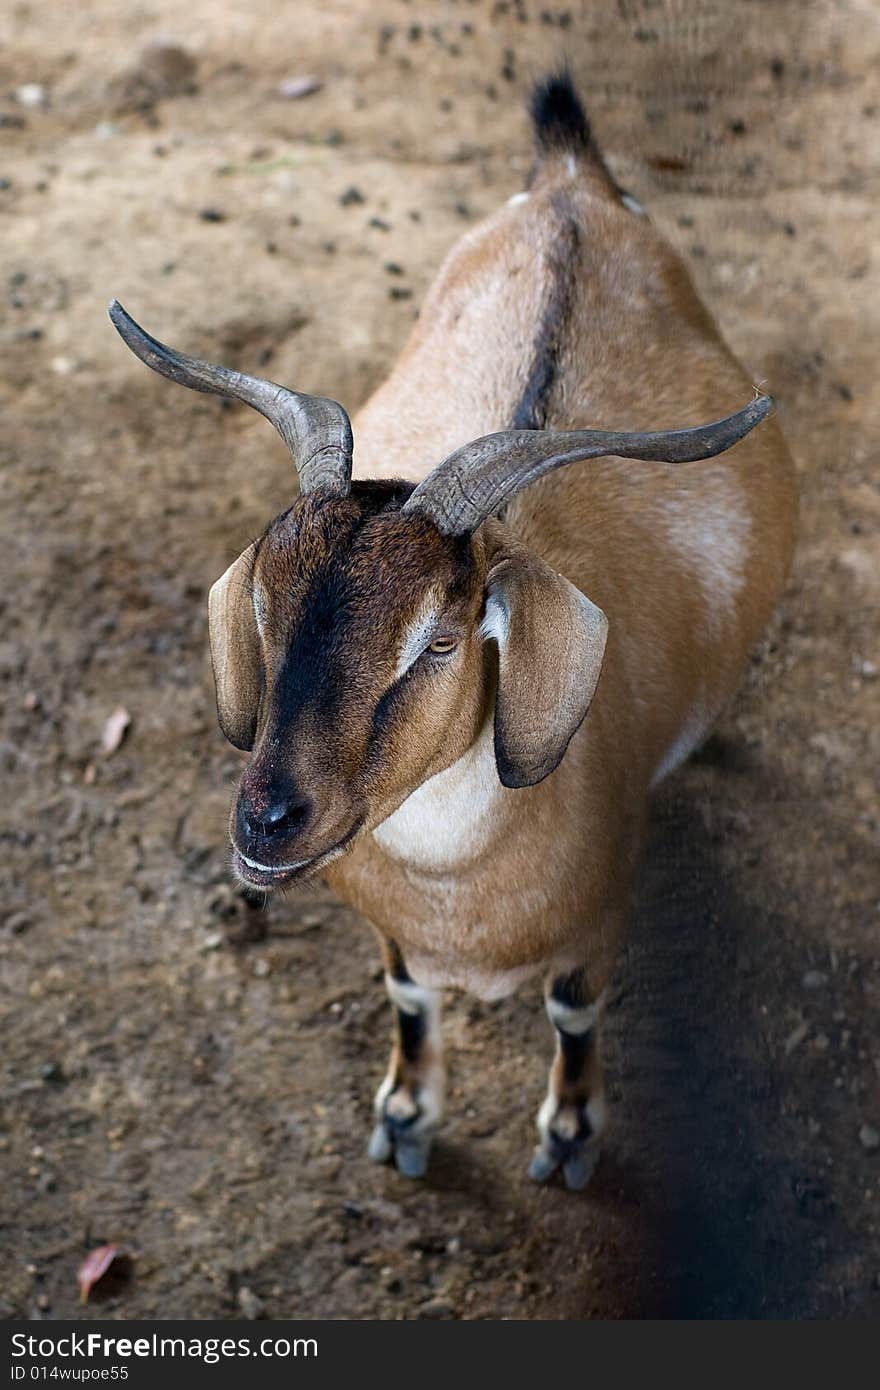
(441, 646)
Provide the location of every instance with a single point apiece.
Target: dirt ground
(193, 1078)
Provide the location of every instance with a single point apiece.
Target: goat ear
(551, 640)
(235, 652)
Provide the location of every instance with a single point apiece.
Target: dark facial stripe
(303, 677)
(344, 575)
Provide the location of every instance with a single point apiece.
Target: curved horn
(472, 483)
(317, 431)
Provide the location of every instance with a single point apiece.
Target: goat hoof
(411, 1157)
(578, 1170)
(409, 1151)
(381, 1146)
(542, 1166)
(577, 1162)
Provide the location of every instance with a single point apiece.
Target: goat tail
(561, 124)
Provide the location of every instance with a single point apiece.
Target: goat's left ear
(551, 640)
(235, 652)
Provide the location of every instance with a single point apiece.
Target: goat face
(348, 658)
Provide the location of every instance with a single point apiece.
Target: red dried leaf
(94, 1267)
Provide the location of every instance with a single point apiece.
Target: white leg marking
(396, 1101)
(596, 1112)
(571, 1020)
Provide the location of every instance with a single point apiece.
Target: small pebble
(294, 88)
(435, 1308)
(351, 197)
(251, 1306)
(796, 1037)
(869, 1138)
(31, 94)
(814, 979)
(166, 69)
(212, 215)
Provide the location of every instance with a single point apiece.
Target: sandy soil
(193, 1078)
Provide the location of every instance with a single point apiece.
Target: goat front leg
(572, 1117)
(409, 1103)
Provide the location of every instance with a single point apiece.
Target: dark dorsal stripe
(531, 409)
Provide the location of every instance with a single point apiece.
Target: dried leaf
(293, 88)
(115, 730)
(94, 1267)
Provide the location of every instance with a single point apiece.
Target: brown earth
(192, 1080)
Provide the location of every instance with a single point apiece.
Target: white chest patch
(446, 821)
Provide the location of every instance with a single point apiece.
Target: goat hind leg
(409, 1102)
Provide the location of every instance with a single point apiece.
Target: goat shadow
(701, 1146)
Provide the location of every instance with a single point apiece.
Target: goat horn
(473, 482)
(317, 431)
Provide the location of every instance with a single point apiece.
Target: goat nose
(282, 816)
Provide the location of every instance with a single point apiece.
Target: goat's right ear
(551, 641)
(235, 651)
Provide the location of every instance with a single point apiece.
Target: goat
(410, 657)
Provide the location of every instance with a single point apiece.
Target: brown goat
(411, 661)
